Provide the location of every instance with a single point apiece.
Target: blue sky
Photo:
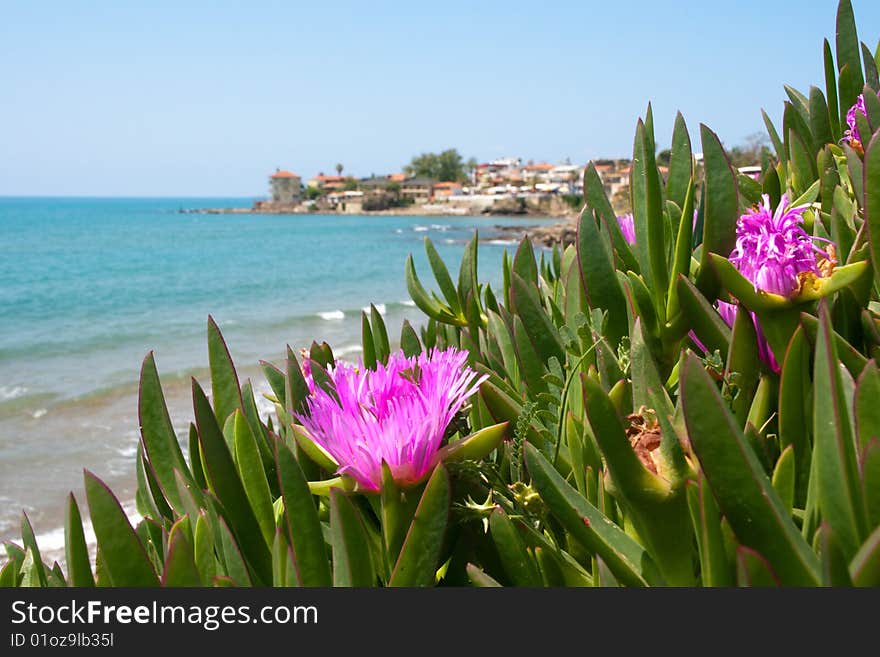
(206, 99)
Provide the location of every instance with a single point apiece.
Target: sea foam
(332, 314)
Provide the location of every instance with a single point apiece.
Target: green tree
(445, 166)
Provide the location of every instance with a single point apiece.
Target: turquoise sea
(89, 286)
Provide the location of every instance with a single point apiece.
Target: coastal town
(501, 186)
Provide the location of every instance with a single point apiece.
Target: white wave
(449, 241)
(408, 302)
(398, 230)
(332, 314)
(265, 408)
(441, 227)
(11, 392)
(127, 451)
(347, 349)
(379, 306)
(40, 412)
(421, 229)
(500, 242)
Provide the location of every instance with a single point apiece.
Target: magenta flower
(397, 413)
(774, 252)
(851, 134)
(627, 227)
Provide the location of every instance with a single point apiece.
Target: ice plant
(851, 134)
(627, 227)
(776, 254)
(397, 413)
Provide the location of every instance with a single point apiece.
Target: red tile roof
(284, 174)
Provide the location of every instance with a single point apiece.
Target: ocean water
(89, 286)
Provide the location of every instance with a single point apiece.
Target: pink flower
(851, 134)
(627, 227)
(773, 251)
(397, 414)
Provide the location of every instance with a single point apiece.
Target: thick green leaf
(865, 566)
(540, 329)
(253, 477)
(479, 578)
(835, 567)
(848, 46)
(707, 527)
(872, 79)
(409, 340)
(628, 560)
(380, 335)
(368, 343)
(227, 486)
(304, 529)
(779, 147)
(157, 432)
(467, 273)
(867, 413)
(225, 389)
(744, 493)
(784, 477)
(524, 263)
(742, 359)
(518, 563)
(819, 117)
(275, 377)
(123, 555)
(840, 497)
(710, 328)
(681, 164)
(236, 566)
(441, 275)
(831, 91)
(532, 364)
(426, 303)
(597, 202)
(794, 409)
(721, 208)
(682, 256)
(203, 548)
(803, 166)
(871, 184)
(180, 567)
(648, 215)
(29, 540)
(79, 569)
(352, 563)
(598, 277)
(753, 570)
(420, 554)
(476, 446)
(397, 509)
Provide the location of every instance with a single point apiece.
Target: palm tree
(339, 169)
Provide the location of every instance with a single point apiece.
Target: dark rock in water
(563, 233)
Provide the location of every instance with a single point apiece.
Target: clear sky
(167, 98)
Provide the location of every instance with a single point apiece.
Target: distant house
(446, 189)
(327, 183)
(348, 202)
(614, 175)
(285, 187)
(419, 190)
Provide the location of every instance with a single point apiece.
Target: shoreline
(463, 206)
